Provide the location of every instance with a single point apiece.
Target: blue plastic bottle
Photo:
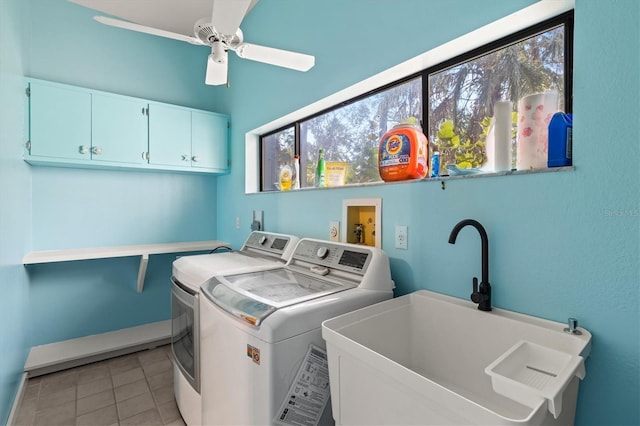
(560, 140)
(435, 164)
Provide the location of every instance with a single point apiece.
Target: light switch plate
(401, 237)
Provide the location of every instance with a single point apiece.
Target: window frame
(520, 25)
(296, 148)
(297, 124)
(566, 19)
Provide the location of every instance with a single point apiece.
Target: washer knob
(322, 252)
(262, 240)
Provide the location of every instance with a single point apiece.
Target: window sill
(506, 173)
(442, 179)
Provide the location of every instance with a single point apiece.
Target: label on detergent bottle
(403, 154)
(396, 151)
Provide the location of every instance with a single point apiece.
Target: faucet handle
(475, 296)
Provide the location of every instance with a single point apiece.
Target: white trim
(376, 203)
(524, 18)
(17, 402)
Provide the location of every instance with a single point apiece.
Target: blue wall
(15, 208)
(51, 208)
(89, 208)
(562, 244)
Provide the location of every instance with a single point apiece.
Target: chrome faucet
(481, 295)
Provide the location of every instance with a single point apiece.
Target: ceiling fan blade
(217, 66)
(279, 57)
(228, 14)
(144, 29)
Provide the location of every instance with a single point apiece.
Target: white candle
(502, 135)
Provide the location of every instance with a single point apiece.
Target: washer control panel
(279, 244)
(326, 254)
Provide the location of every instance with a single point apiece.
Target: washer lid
(194, 270)
(254, 296)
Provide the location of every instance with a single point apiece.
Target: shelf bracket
(144, 261)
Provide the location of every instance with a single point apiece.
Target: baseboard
(58, 356)
(17, 400)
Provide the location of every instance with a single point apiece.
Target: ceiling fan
(221, 31)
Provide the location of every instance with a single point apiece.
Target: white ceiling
(176, 16)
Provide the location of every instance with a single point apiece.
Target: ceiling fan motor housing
(219, 52)
(205, 31)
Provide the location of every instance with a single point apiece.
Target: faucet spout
(481, 294)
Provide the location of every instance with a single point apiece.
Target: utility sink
(426, 358)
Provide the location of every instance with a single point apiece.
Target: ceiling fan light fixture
(216, 72)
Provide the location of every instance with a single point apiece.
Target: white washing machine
(261, 250)
(257, 327)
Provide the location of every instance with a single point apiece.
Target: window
(453, 101)
(278, 150)
(464, 91)
(349, 134)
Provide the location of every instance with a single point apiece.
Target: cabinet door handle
(145, 155)
(96, 150)
(195, 158)
(185, 157)
(83, 149)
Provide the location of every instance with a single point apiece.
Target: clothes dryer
(258, 327)
(261, 250)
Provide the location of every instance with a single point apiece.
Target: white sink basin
(421, 359)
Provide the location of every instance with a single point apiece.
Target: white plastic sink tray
(528, 372)
(421, 359)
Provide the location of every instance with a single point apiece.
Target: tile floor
(134, 389)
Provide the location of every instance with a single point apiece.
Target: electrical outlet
(237, 222)
(334, 230)
(257, 223)
(401, 237)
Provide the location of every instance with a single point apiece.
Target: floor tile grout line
(77, 372)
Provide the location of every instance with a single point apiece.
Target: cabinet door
(59, 121)
(209, 139)
(169, 135)
(119, 126)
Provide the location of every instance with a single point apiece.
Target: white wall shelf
(144, 250)
(57, 356)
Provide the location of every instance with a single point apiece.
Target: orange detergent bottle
(403, 154)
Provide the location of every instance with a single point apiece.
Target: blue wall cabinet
(169, 135)
(184, 137)
(119, 129)
(60, 120)
(77, 127)
(209, 136)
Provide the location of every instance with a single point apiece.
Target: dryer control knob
(322, 252)
(262, 240)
